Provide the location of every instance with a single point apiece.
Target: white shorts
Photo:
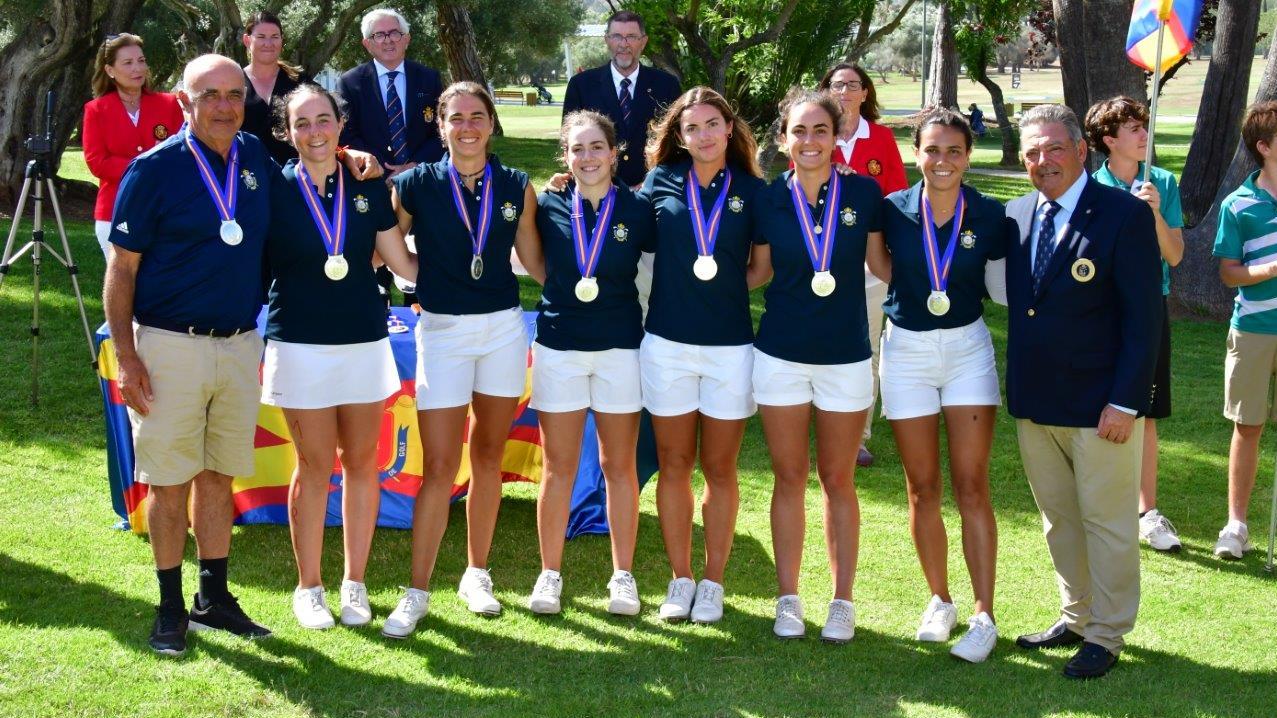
(606, 381)
(317, 376)
(830, 387)
(921, 372)
(102, 230)
(681, 378)
(459, 355)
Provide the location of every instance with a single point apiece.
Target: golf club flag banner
(1174, 20)
(263, 497)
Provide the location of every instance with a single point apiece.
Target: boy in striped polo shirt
(1246, 245)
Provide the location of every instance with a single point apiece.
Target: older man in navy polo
(183, 290)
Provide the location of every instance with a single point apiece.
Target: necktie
(625, 100)
(1045, 241)
(395, 118)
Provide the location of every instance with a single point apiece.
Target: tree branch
(854, 50)
(769, 35)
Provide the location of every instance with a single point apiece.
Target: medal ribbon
(938, 268)
(224, 200)
(479, 236)
(589, 247)
(705, 232)
(332, 231)
(820, 247)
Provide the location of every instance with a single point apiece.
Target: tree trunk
(318, 42)
(1195, 282)
(230, 27)
(1219, 114)
(942, 90)
(53, 53)
(1010, 148)
(456, 35)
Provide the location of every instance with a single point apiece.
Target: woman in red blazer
(124, 119)
(870, 149)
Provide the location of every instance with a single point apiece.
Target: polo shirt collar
(1106, 176)
(907, 201)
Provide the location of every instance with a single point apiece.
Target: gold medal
(476, 267)
(938, 303)
(231, 232)
(336, 267)
(1083, 270)
(823, 284)
(587, 289)
(705, 268)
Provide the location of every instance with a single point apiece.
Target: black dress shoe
(1091, 661)
(1053, 637)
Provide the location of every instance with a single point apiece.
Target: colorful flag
(1174, 20)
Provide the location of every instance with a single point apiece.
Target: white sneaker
(403, 620)
(840, 626)
(1234, 541)
(311, 609)
(476, 590)
(1158, 532)
(355, 610)
(977, 643)
(789, 618)
(546, 592)
(938, 620)
(708, 607)
(678, 600)
(625, 596)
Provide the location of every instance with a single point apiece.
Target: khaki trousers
(1087, 490)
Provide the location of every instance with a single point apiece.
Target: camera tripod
(37, 177)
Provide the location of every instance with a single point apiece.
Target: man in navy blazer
(367, 92)
(624, 81)
(1083, 285)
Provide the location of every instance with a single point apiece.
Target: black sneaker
(168, 635)
(225, 615)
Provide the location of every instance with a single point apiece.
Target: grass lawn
(76, 596)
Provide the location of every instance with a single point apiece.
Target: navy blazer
(368, 128)
(593, 90)
(1089, 336)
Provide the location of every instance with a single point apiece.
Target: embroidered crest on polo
(479, 234)
(820, 244)
(250, 180)
(968, 239)
(332, 230)
(589, 247)
(361, 204)
(736, 204)
(705, 230)
(508, 212)
(225, 197)
(621, 232)
(848, 217)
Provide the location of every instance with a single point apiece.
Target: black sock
(171, 586)
(212, 581)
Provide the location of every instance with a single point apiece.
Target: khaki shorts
(204, 415)
(1249, 365)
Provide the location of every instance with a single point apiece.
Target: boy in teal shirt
(1246, 245)
(1118, 128)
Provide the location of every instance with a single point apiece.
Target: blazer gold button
(1032, 312)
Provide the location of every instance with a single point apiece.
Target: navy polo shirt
(188, 276)
(444, 247)
(614, 319)
(305, 306)
(683, 308)
(797, 325)
(984, 235)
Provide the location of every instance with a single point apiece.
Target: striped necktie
(625, 100)
(1045, 241)
(395, 117)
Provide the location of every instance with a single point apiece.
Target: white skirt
(318, 376)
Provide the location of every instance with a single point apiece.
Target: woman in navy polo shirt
(937, 358)
(466, 212)
(696, 357)
(586, 351)
(328, 362)
(812, 351)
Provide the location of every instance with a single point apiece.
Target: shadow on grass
(734, 669)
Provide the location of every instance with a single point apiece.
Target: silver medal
(476, 267)
(587, 289)
(938, 303)
(705, 267)
(336, 268)
(231, 232)
(823, 283)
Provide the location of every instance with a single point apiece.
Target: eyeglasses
(631, 39)
(393, 35)
(843, 86)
